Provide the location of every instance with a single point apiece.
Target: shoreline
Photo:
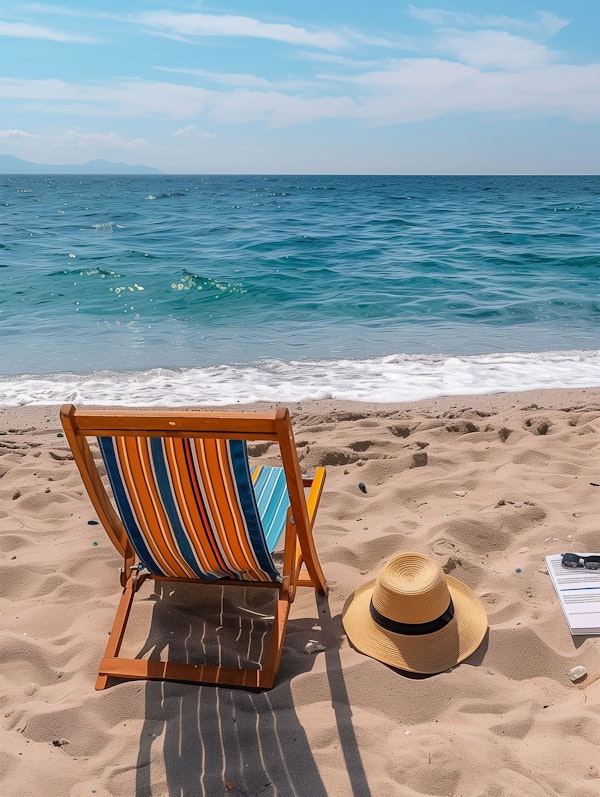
(382, 379)
(551, 398)
(487, 485)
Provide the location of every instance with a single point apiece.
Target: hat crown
(411, 588)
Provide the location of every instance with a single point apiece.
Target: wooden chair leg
(118, 629)
(275, 648)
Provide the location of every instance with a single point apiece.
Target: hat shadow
(475, 660)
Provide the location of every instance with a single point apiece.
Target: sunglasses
(576, 560)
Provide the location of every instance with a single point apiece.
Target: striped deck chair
(184, 505)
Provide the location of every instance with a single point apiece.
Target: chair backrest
(189, 506)
(184, 497)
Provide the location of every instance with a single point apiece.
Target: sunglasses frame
(574, 560)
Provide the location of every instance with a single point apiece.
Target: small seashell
(313, 647)
(575, 673)
(460, 493)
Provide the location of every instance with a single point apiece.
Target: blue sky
(447, 87)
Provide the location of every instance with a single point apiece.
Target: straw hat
(414, 617)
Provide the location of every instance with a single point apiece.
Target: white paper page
(578, 590)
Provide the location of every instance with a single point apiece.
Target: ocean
(193, 289)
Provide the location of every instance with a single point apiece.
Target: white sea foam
(397, 377)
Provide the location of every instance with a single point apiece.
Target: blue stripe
(107, 449)
(273, 503)
(247, 498)
(165, 489)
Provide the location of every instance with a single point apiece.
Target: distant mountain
(11, 165)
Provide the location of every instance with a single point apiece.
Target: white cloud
(241, 79)
(23, 30)
(75, 140)
(495, 49)
(550, 22)
(193, 131)
(144, 98)
(56, 146)
(278, 109)
(238, 26)
(413, 90)
(224, 78)
(17, 135)
(491, 74)
(125, 99)
(545, 23)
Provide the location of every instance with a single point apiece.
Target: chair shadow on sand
(218, 740)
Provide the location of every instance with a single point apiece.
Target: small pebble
(60, 742)
(517, 570)
(575, 673)
(362, 487)
(460, 493)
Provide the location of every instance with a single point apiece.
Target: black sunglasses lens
(570, 560)
(592, 563)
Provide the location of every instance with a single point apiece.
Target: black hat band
(412, 629)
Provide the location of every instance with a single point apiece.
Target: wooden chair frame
(301, 566)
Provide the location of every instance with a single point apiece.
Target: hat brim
(424, 653)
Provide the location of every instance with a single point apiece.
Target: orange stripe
(194, 522)
(130, 472)
(224, 506)
(209, 466)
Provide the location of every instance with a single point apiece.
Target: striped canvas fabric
(192, 508)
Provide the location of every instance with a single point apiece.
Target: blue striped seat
(194, 507)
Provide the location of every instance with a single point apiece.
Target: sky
(311, 87)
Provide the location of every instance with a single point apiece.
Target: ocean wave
(90, 271)
(214, 287)
(394, 378)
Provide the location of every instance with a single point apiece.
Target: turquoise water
(121, 274)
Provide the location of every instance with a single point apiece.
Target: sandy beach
(488, 486)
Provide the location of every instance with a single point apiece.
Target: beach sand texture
(486, 485)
